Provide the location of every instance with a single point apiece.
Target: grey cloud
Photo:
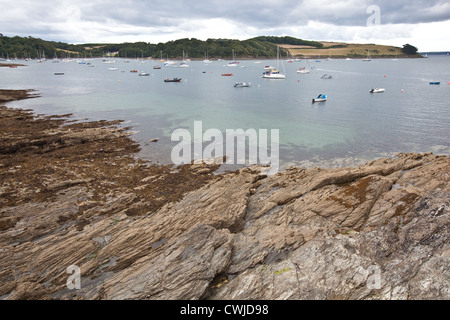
(45, 17)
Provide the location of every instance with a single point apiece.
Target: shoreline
(74, 193)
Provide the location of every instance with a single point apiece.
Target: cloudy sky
(422, 23)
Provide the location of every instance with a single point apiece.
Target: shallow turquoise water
(351, 126)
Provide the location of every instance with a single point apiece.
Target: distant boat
(241, 85)
(377, 90)
(435, 82)
(396, 57)
(113, 69)
(233, 63)
(156, 67)
(274, 73)
(257, 59)
(227, 74)
(206, 59)
(172, 80)
(144, 74)
(326, 76)
(183, 63)
(59, 73)
(133, 70)
(320, 98)
(303, 70)
(368, 56)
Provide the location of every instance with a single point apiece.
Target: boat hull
(274, 76)
(377, 91)
(172, 80)
(241, 85)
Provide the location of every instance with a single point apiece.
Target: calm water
(350, 127)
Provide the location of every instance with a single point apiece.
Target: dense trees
(262, 47)
(29, 47)
(289, 40)
(409, 49)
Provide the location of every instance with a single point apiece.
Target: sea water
(351, 127)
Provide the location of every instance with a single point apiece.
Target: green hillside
(261, 47)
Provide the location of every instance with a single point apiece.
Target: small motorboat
(134, 71)
(435, 82)
(172, 80)
(227, 74)
(326, 76)
(59, 73)
(241, 85)
(303, 70)
(156, 67)
(320, 98)
(143, 74)
(377, 90)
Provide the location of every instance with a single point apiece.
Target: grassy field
(344, 50)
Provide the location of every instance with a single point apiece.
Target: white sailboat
(304, 70)
(183, 63)
(396, 56)
(206, 60)
(368, 56)
(257, 59)
(275, 73)
(233, 63)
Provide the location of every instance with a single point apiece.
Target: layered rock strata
(73, 194)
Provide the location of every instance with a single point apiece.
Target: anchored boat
(241, 85)
(320, 98)
(274, 73)
(303, 70)
(172, 80)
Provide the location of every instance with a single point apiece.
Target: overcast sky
(422, 23)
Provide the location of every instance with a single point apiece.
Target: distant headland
(262, 47)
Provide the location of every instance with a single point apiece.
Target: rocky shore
(73, 194)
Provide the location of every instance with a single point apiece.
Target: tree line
(30, 47)
(258, 47)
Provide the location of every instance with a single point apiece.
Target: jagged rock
(377, 231)
(183, 270)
